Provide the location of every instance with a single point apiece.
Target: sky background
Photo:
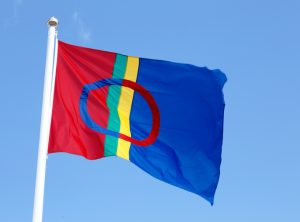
(256, 43)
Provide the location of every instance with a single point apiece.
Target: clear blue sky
(256, 43)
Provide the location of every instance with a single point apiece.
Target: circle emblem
(125, 83)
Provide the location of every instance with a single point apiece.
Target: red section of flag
(77, 66)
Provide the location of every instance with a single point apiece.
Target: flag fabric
(165, 117)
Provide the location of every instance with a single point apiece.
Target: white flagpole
(45, 120)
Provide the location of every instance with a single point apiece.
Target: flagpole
(45, 120)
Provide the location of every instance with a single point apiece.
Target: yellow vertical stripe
(124, 106)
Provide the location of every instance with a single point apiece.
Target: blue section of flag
(187, 152)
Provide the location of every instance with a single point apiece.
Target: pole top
(52, 22)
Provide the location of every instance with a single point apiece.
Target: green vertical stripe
(114, 92)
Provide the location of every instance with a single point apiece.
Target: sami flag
(165, 117)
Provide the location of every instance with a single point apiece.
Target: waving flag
(165, 117)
